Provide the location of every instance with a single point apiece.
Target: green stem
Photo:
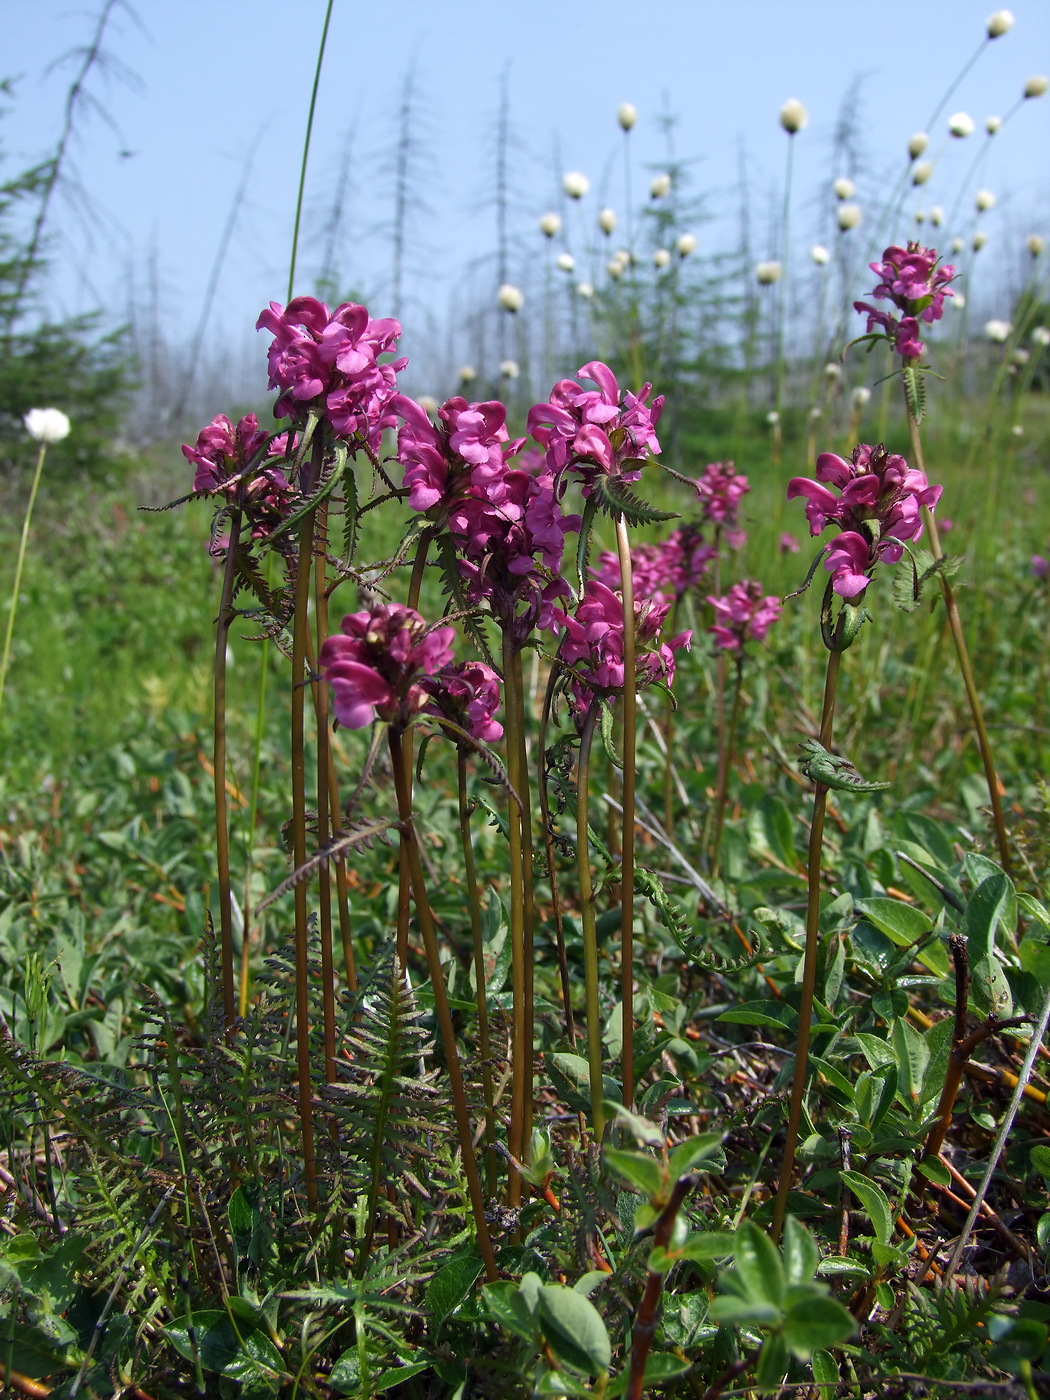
(519, 1050)
(324, 771)
(809, 964)
(587, 921)
(969, 681)
(19, 565)
(630, 736)
(415, 587)
(480, 989)
(409, 841)
(552, 871)
(222, 822)
(528, 914)
(306, 147)
(725, 766)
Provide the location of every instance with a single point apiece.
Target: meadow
(545, 896)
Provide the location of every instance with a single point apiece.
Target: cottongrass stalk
(401, 769)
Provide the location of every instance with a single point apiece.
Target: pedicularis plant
(385, 1166)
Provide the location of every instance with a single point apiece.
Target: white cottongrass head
(46, 425)
(848, 216)
(999, 24)
(575, 184)
(820, 255)
(616, 267)
(428, 403)
(686, 244)
(1021, 356)
(511, 298)
(1036, 85)
(816, 413)
(626, 115)
(978, 241)
(832, 370)
(984, 200)
(1035, 244)
(998, 331)
(1017, 430)
(793, 116)
(918, 144)
(662, 258)
(566, 262)
(861, 397)
(585, 290)
(844, 188)
(768, 272)
(961, 124)
(1041, 336)
(467, 373)
(772, 418)
(660, 186)
(936, 215)
(957, 245)
(510, 369)
(550, 224)
(993, 124)
(922, 172)
(958, 301)
(607, 221)
(920, 216)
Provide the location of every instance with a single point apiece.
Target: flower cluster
(464, 453)
(744, 614)
(721, 488)
(375, 665)
(467, 693)
(879, 505)
(917, 286)
(330, 363)
(593, 644)
(599, 432)
(677, 565)
(225, 458)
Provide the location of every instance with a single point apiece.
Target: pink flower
(1040, 566)
(910, 278)
(744, 614)
(721, 489)
(678, 564)
(466, 453)
(789, 544)
(944, 525)
(598, 432)
(222, 451)
(330, 362)
(373, 665)
(592, 644)
(467, 693)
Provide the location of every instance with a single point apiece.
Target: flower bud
(793, 116)
(985, 200)
(509, 369)
(550, 225)
(997, 331)
(860, 397)
(819, 254)
(922, 172)
(585, 290)
(1034, 243)
(980, 238)
(993, 124)
(627, 115)
(660, 186)
(1000, 23)
(936, 215)
(961, 124)
(918, 144)
(1036, 85)
(768, 272)
(1041, 336)
(467, 373)
(661, 258)
(848, 216)
(844, 188)
(686, 244)
(566, 262)
(607, 221)
(575, 184)
(46, 425)
(510, 298)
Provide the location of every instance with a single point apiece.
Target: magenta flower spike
(468, 694)
(912, 279)
(376, 661)
(329, 363)
(599, 432)
(744, 614)
(222, 456)
(878, 505)
(465, 453)
(721, 488)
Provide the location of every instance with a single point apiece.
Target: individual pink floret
(744, 614)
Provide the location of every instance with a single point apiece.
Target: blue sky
(209, 82)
